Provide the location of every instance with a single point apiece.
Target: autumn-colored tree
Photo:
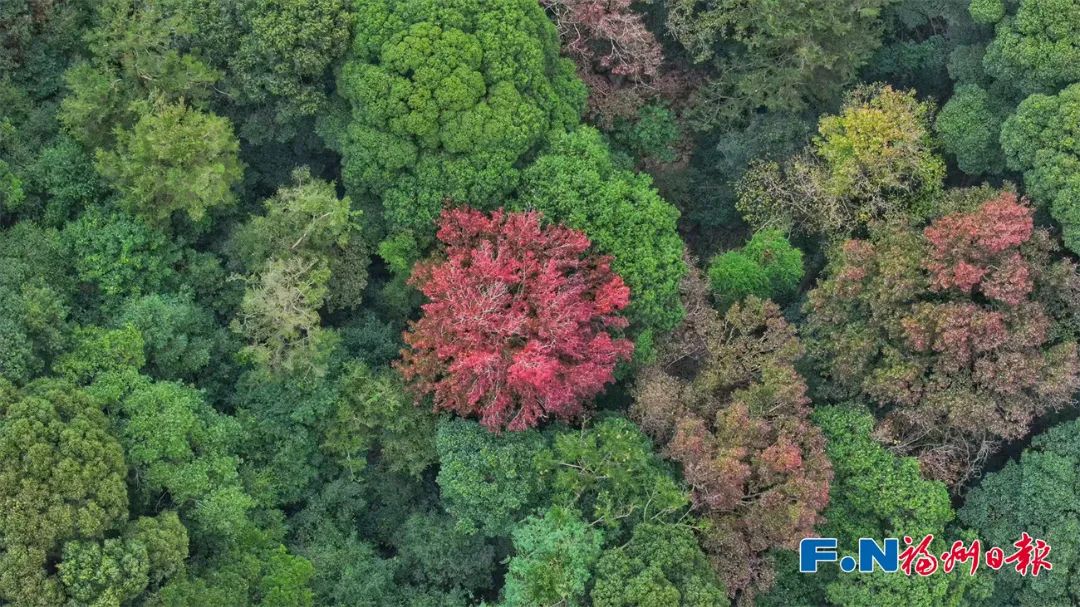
(874, 493)
(518, 321)
(727, 403)
(943, 330)
(608, 35)
(619, 59)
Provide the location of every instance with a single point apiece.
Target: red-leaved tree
(962, 334)
(519, 321)
(725, 401)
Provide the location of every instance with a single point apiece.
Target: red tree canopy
(725, 401)
(518, 321)
(960, 334)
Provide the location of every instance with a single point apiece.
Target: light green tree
(174, 159)
(874, 159)
(768, 267)
(553, 561)
(61, 478)
(487, 481)
(661, 566)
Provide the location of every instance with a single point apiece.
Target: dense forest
(535, 303)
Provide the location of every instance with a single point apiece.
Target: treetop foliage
(578, 183)
(873, 160)
(541, 313)
(726, 402)
(942, 331)
(444, 100)
(594, 303)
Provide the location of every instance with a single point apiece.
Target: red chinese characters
(958, 553)
(924, 561)
(1031, 556)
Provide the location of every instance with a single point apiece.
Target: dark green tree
(375, 418)
(181, 337)
(1033, 494)
(969, 126)
(119, 256)
(774, 55)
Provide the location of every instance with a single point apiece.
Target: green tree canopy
(969, 126)
(875, 159)
(874, 494)
(61, 478)
(1035, 49)
(487, 481)
(661, 566)
(608, 472)
(774, 55)
(1042, 139)
(768, 267)
(308, 219)
(279, 315)
(174, 159)
(553, 560)
(138, 50)
(1033, 494)
(445, 100)
(181, 337)
(120, 256)
(275, 56)
(375, 417)
(181, 450)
